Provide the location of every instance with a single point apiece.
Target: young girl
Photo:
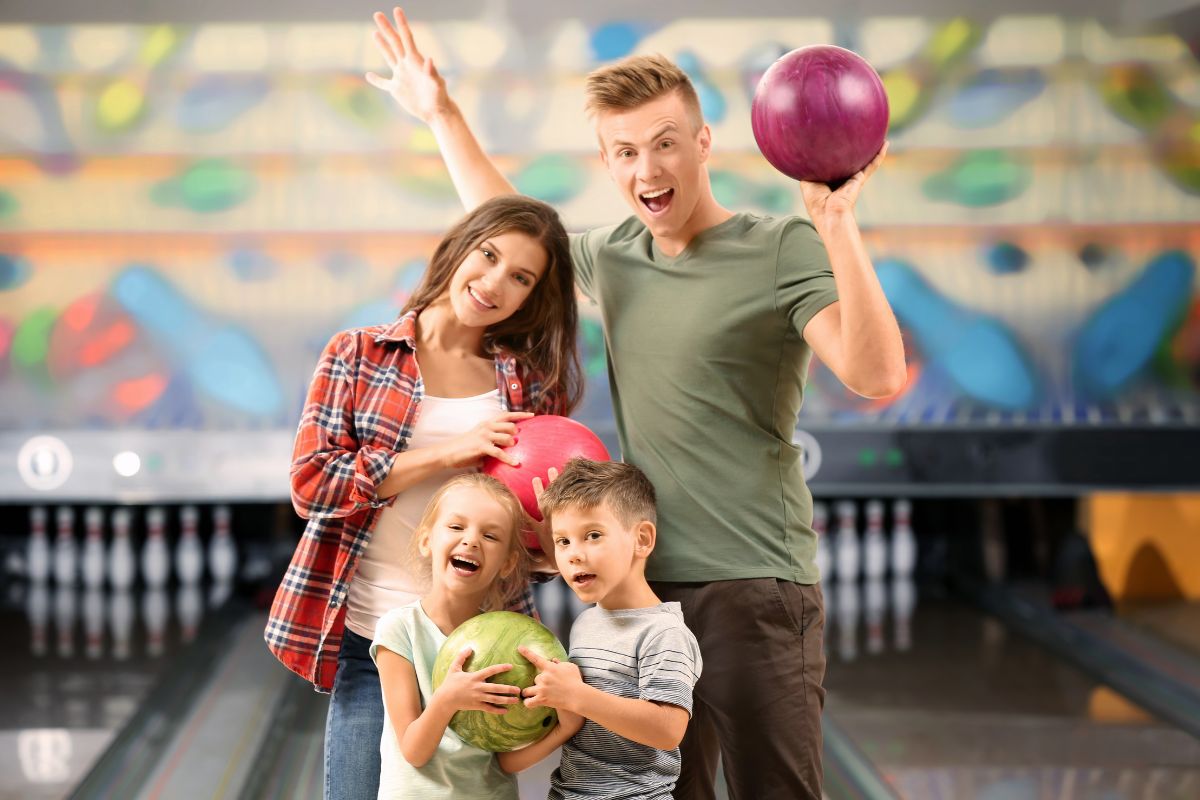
(393, 411)
(469, 538)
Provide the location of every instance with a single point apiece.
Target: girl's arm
(402, 698)
(521, 760)
(419, 732)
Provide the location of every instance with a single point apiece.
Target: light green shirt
(706, 366)
(457, 770)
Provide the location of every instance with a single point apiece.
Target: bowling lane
(947, 702)
(77, 666)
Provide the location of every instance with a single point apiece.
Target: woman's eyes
(488, 254)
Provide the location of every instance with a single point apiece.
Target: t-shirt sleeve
(668, 667)
(393, 632)
(584, 247)
(804, 283)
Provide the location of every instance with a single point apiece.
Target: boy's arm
(560, 685)
(418, 88)
(857, 337)
(521, 760)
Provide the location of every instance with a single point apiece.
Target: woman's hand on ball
(485, 439)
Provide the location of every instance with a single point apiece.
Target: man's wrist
(836, 222)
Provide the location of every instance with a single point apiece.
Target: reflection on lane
(950, 703)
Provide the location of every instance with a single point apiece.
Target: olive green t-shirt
(706, 366)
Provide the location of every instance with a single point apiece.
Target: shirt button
(513, 386)
(333, 603)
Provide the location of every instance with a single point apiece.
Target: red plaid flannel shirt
(361, 408)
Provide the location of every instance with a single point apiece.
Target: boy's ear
(644, 535)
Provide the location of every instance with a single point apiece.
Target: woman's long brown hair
(542, 333)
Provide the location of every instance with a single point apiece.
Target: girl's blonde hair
(506, 588)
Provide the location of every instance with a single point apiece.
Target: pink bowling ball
(543, 442)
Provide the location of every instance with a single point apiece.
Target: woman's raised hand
(415, 83)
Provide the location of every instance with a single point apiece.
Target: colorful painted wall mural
(187, 213)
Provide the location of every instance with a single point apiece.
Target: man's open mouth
(657, 200)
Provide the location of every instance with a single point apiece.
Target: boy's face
(656, 159)
(599, 557)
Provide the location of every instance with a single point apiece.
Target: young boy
(633, 661)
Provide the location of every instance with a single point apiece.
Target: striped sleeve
(332, 474)
(668, 667)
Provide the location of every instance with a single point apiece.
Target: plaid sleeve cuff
(371, 466)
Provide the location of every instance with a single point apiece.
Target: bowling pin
(904, 600)
(64, 619)
(93, 559)
(189, 606)
(222, 552)
(120, 621)
(66, 557)
(875, 551)
(218, 593)
(847, 617)
(121, 562)
(93, 622)
(156, 558)
(875, 603)
(904, 543)
(189, 554)
(37, 609)
(821, 528)
(846, 549)
(155, 613)
(37, 549)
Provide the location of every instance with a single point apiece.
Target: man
(710, 319)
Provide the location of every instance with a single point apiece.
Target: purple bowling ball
(819, 114)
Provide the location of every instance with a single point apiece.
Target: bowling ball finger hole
(546, 722)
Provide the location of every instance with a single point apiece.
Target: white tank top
(384, 579)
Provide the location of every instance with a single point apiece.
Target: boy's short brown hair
(635, 81)
(588, 484)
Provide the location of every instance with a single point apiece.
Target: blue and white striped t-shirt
(643, 653)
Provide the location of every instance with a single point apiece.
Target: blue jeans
(354, 725)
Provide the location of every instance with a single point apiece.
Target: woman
(393, 411)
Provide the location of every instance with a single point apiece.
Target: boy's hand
(542, 529)
(470, 691)
(415, 83)
(558, 683)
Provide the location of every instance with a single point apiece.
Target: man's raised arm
(419, 89)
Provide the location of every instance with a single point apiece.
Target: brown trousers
(759, 698)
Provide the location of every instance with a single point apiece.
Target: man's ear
(645, 535)
(704, 139)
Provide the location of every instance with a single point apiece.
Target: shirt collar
(404, 329)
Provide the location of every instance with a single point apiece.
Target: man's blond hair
(635, 81)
